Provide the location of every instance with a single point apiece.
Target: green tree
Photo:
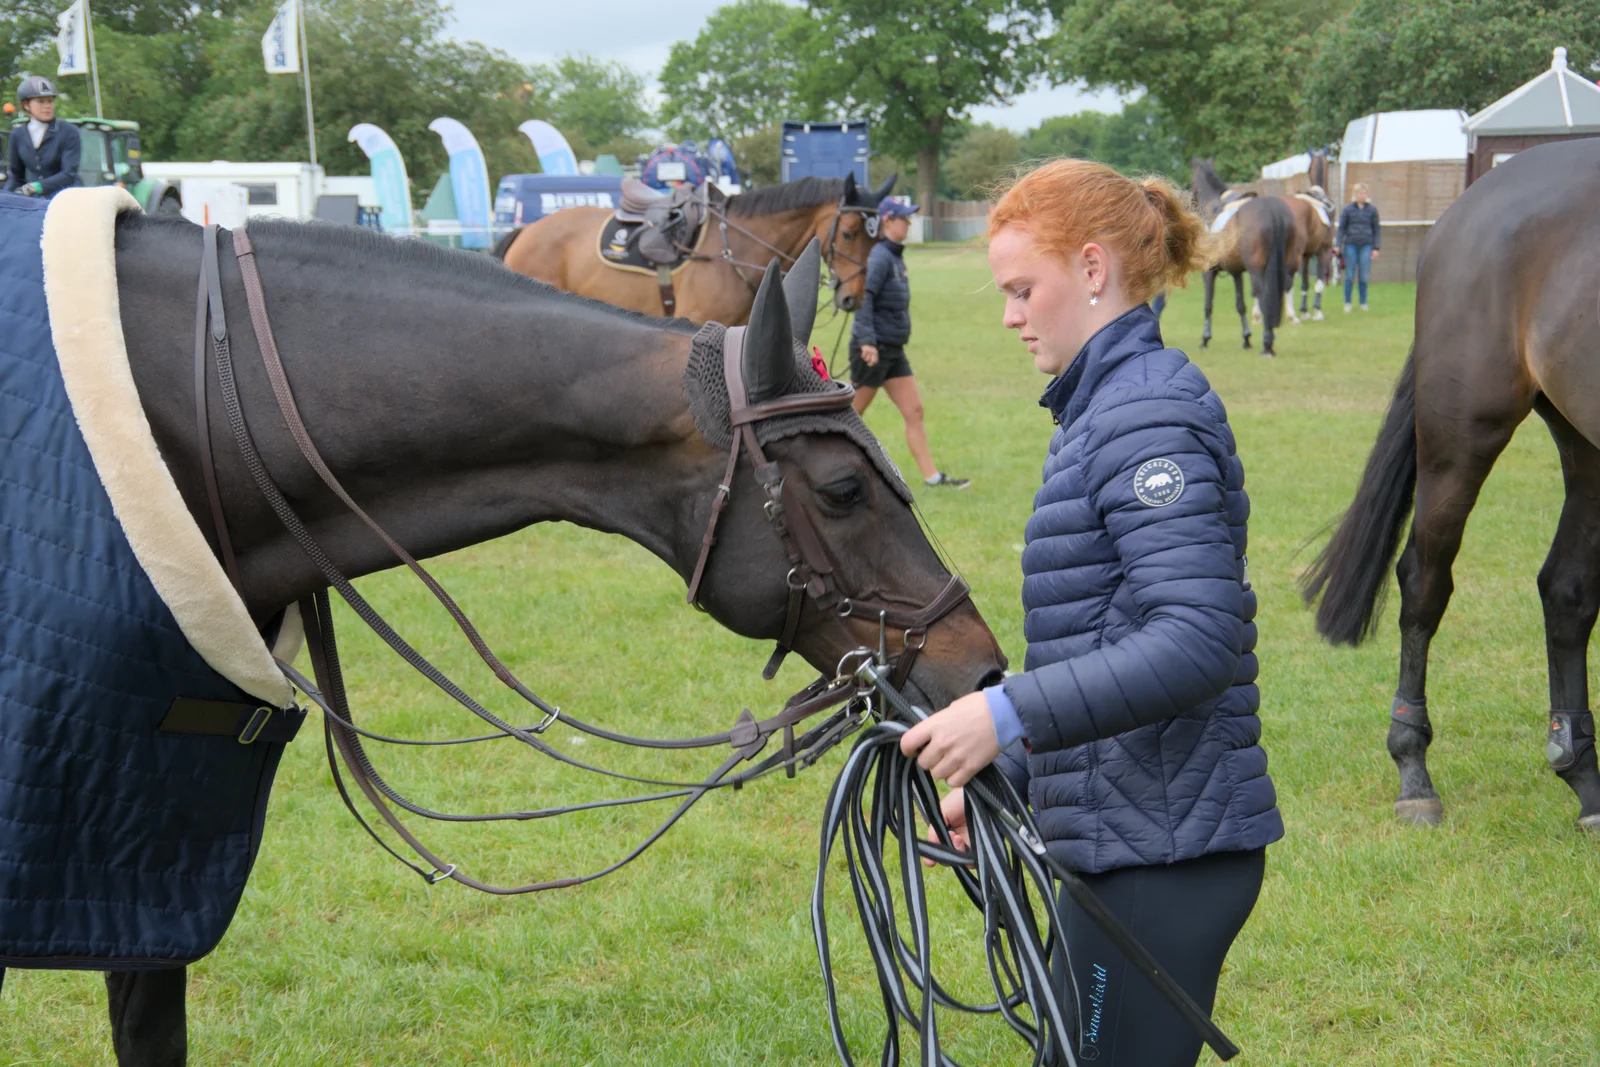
(1141, 140)
(591, 101)
(1400, 55)
(1224, 72)
(916, 67)
(981, 159)
(735, 77)
(1075, 136)
(760, 155)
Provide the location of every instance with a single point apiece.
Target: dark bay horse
(1257, 237)
(718, 286)
(1505, 325)
(458, 402)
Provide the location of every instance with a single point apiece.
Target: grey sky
(639, 33)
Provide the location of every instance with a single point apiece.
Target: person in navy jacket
(1133, 727)
(44, 152)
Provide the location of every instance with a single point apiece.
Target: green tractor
(111, 157)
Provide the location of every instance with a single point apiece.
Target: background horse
(548, 407)
(1314, 231)
(1505, 325)
(1258, 236)
(742, 233)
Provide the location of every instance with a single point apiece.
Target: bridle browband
(811, 572)
(343, 738)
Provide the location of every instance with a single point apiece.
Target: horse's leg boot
(148, 1028)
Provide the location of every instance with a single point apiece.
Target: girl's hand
(954, 809)
(869, 355)
(956, 743)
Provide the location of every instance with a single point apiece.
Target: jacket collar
(894, 246)
(1132, 333)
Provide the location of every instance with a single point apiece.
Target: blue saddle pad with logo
(123, 845)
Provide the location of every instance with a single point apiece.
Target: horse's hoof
(1422, 811)
(1317, 317)
(1247, 343)
(1267, 353)
(1590, 823)
(1205, 342)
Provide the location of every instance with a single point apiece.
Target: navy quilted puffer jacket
(1138, 696)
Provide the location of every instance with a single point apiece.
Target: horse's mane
(418, 263)
(789, 196)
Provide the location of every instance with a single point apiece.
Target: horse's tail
(1280, 227)
(1352, 573)
(502, 246)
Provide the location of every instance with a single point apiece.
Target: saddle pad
(1318, 205)
(1220, 223)
(618, 247)
(121, 846)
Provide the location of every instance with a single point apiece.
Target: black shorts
(892, 363)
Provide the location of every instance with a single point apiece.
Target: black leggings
(1187, 914)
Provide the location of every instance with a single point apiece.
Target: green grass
(1373, 944)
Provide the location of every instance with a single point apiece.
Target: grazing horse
(741, 234)
(1505, 325)
(459, 402)
(1257, 234)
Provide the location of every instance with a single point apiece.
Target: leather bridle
(836, 281)
(811, 572)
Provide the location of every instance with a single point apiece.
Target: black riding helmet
(34, 87)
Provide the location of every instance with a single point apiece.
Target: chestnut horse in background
(1314, 229)
(739, 236)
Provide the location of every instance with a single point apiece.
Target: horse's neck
(452, 411)
(783, 231)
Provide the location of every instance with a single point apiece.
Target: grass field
(1374, 944)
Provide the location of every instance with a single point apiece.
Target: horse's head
(848, 230)
(818, 522)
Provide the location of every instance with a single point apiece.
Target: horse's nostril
(994, 677)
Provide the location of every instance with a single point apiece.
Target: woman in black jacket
(1360, 237)
(44, 152)
(879, 335)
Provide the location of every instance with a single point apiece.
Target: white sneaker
(1347, 309)
(1363, 307)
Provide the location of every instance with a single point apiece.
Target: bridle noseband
(811, 572)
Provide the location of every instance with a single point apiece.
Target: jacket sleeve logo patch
(1158, 483)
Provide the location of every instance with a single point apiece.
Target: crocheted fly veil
(706, 390)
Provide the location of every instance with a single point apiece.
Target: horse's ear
(886, 188)
(850, 190)
(768, 361)
(800, 290)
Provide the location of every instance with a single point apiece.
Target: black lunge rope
(877, 800)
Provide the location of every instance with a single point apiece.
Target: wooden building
(1558, 105)
(1410, 162)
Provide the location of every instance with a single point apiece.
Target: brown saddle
(668, 222)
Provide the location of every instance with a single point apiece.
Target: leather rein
(810, 575)
(836, 281)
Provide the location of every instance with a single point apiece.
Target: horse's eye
(851, 236)
(845, 494)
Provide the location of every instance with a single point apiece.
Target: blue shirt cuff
(1007, 724)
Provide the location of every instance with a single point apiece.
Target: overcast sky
(639, 33)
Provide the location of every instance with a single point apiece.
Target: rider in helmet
(44, 153)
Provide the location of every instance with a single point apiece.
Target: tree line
(1245, 81)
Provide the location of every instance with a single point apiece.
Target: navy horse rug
(141, 713)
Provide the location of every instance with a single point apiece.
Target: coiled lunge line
(876, 801)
